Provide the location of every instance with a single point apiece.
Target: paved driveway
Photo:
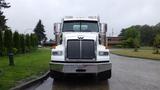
(128, 74)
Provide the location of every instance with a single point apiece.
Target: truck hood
(80, 35)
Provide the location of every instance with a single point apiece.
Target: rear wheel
(105, 75)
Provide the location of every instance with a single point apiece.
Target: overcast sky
(24, 14)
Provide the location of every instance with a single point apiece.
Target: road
(128, 74)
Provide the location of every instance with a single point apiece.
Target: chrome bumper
(67, 67)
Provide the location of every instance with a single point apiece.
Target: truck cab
(81, 48)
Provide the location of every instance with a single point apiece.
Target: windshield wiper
(86, 31)
(69, 31)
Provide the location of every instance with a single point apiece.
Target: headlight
(57, 53)
(103, 53)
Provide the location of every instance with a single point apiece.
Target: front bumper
(80, 67)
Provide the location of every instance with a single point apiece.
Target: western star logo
(80, 37)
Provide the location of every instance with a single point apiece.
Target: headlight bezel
(103, 53)
(57, 53)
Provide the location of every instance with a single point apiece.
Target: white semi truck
(81, 48)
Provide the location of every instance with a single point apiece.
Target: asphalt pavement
(127, 74)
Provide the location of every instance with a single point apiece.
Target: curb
(31, 83)
(135, 57)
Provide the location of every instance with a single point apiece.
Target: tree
(157, 43)
(28, 42)
(34, 40)
(3, 25)
(136, 42)
(22, 43)
(16, 40)
(8, 42)
(3, 4)
(131, 38)
(1, 43)
(147, 35)
(39, 32)
(137, 27)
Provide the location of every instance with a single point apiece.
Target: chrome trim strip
(80, 49)
(80, 61)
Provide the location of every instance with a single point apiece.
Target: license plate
(81, 66)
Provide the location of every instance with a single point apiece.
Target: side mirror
(103, 27)
(103, 32)
(57, 32)
(57, 28)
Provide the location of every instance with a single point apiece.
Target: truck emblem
(80, 37)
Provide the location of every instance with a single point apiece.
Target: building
(113, 41)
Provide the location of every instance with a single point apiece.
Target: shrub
(15, 50)
(27, 49)
(156, 44)
(4, 51)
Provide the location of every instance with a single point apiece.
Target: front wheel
(56, 75)
(105, 75)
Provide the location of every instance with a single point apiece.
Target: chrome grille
(80, 49)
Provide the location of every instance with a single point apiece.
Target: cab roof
(90, 18)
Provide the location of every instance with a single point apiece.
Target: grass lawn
(27, 66)
(142, 53)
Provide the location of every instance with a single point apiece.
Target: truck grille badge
(80, 37)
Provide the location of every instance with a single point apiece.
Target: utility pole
(112, 32)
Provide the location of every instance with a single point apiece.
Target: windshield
(80, 26)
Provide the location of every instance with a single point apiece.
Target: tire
(56, 75)
(105, 75)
